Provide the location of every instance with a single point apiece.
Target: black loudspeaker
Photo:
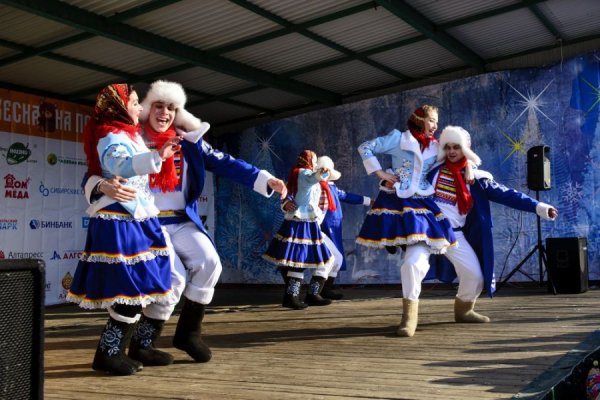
(538, 168)
(22, 329)
(568, 264)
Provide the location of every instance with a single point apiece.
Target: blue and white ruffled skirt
(125, 261)
(299, 244)
(395, 221)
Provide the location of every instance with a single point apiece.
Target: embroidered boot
(189, 328)
(328, 291)
(110, 355)
(142, 344)
(410, 316)
(313, 296)
(463, 312)
(291, 297)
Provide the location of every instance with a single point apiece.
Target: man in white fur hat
(332, 223)
(463, 193)
(176, 190)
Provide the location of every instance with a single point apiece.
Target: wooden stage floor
(348, 350)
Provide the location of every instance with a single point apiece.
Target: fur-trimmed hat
(326, 162)
(171, 93)
(458, 135)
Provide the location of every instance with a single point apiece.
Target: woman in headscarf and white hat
(299, 243)
(463, 193)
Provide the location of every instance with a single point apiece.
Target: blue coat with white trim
(332, 224)
(478, 226)
(201, 157)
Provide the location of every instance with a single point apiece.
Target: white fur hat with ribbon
(458, 135)
(326, 162)
(171, 93)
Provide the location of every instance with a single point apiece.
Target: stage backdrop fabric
(506, 113)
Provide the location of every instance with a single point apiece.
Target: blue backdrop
(506, 113)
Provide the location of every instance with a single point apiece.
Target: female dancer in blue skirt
(126, 263)
(406, 215)
(299, 243)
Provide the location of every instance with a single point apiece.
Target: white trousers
(416, 264)
(413, 269)
(196, 269)
(468, 269)
(333, 269)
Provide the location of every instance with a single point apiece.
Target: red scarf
(167, 179)
(330, 201)
(110, 115)
(423, 139)
(463, 196)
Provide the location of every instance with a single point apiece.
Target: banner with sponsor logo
(42, 206)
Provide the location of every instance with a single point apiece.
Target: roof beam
(293, 28)
(412, 17)
(28, 52)
(317, 38)
(543, 19)
(101, 26)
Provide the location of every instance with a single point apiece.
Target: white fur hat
(458, 135)
(326, 162)
(171, 93)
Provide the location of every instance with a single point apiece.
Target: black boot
(328, 291)
(142, 344)
(313, 296)
(110, 355)
(291, 297)
(283, 271)
(187, 335)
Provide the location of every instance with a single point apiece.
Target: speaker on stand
(538, 168)
(538, 178)
(22, 284)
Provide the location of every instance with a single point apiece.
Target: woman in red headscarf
(404, 213)
(126, 262)
(299, 242)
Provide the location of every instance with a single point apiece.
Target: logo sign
(17, 153)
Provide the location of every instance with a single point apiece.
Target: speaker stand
(542, 258)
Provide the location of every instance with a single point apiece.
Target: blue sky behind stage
(506, 113)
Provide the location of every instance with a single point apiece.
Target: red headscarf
(167, 179)
(463, 196)
(110, 115)
(416, 125)
(305, 161)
